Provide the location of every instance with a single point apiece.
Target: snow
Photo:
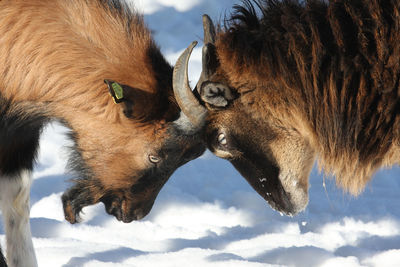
(207, 214)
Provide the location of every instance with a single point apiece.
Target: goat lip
(283, 205)
(288, 203)
(134, 216)
(120, 216)
(126, 219)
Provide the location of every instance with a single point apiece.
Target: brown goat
(295, 81)
(54, 58)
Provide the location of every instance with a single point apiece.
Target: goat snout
(125, 210)
(113, 207)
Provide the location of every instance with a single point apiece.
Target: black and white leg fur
(20, 128)
(14, 203)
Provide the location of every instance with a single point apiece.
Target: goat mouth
(265, 181)
(125, 219)
(289, 201)
(276, 196)
(120, 215)
(123, 211)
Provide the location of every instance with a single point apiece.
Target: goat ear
(136, 103)
(120, 93)
(216, 95)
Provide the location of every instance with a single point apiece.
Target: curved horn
(209, 30)
(209, 59)
(188, 103)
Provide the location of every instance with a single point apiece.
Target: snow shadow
(306, 256)
(48, 185)
(45, 228)
(113, 256)
(369, 246)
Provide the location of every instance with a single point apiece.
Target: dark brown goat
(54, 58)
(301, 81)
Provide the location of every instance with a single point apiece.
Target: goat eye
(154, 159)
(222, 139)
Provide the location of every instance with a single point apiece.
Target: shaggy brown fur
(54, 58)
(333, 70)
(74, 53)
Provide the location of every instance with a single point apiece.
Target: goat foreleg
(14, 203)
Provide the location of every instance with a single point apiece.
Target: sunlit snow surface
(207, 215)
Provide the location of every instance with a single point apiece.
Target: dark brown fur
(338, 63)
(314, 79)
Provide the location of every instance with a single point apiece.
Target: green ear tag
(118, 91)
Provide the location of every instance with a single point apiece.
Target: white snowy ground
(207, 215)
